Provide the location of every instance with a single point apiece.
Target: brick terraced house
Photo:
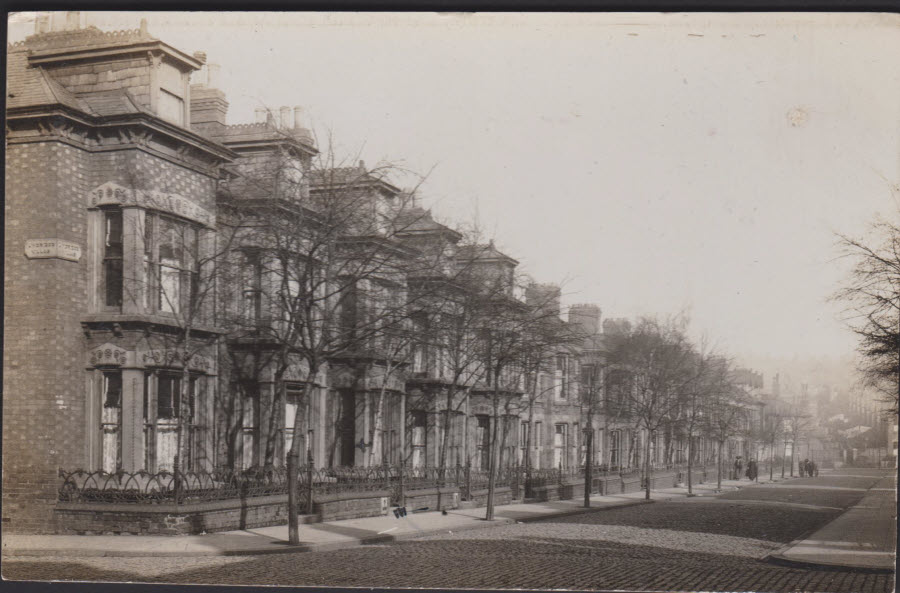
(122, 354)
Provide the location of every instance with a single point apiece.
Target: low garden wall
(79, 518)
(433, 499)
(502, 495)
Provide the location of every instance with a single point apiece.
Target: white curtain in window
(112, 409)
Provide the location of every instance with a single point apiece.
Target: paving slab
(313, 537)
(331, 535)
(863, 537)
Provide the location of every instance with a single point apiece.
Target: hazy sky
(650, 163)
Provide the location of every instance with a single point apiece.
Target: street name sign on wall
(52, 248)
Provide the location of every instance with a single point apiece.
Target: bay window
(112, 258)
(171, 265)
(111, 421)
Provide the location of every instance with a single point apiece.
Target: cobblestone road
(711, 544)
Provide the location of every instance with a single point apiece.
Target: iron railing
(167, 487)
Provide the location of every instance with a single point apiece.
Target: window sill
(145, 319)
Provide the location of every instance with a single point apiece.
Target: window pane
(112, 279)
(169, 289)
(171, 108)
(113, 233)
(168, 396)
(113, 389)
(171, 248)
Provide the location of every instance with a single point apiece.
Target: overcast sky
(649, 163)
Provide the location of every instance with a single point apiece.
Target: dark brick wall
(83, 519)
(663, 480)
(43, 403)
(45, 300)
(502, 495)
(350, 506)
(447, 498)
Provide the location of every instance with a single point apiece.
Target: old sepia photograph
(422, 300)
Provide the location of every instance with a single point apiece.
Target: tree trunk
(377, 444)
(719, 445)
(492, 465)
(588, 462)
(294, 465)
(690, 463)
(278, 398)
(793, 448)
(647, 465)
(445, 432)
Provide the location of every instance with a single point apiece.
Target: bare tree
(332, 273)
(725, 409)
(657, 358)
(590, 392)
(177, 268)
(872, 295)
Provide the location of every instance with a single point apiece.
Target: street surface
(703, 543)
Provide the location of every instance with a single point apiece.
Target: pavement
(863, 537)
(331, 535)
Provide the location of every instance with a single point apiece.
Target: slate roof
(484, 252)
(28, 86)
(117, 102)
(419, 220)
(348, 176)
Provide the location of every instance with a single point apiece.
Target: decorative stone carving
(107, 354)
(111, 193)
(175, 358)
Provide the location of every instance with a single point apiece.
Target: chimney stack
(261, 115)
(298, 117)
(73, 20)
(212, 75)
(42, 23)
(287, 118)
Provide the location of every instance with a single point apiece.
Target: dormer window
(171, 103)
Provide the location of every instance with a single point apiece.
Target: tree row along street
(702, 543)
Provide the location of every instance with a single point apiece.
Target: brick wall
(351, 506)
(43, 351)
(434, 499)
(502, 495)
(228, 515)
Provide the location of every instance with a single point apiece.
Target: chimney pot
(42, 23)
(73, 20)
(286, 118)
(261, 115)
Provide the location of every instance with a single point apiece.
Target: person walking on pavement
(752, 470)
(738, 467)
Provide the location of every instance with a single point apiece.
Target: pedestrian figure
(752, 469)
(738, 467)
